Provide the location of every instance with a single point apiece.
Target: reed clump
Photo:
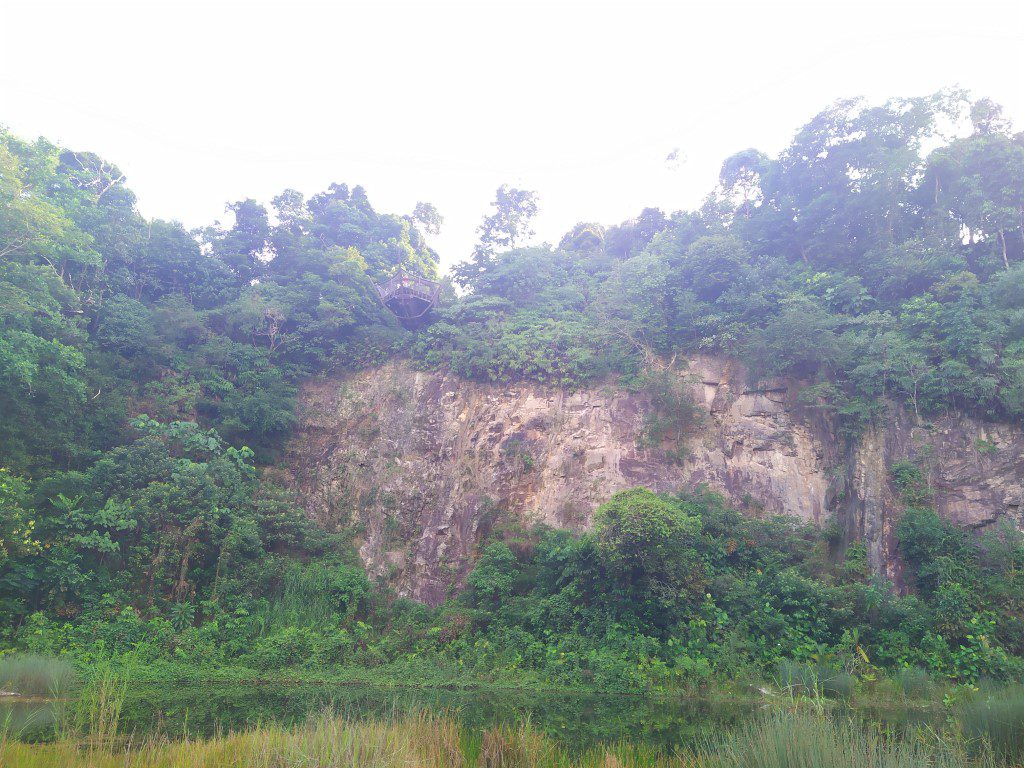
(789, 740)
(914, 683)
(814, 679)
(29, 674)
(997, 719)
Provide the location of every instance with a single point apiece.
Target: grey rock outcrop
(424, 464)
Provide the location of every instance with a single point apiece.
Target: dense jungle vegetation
(148, 374)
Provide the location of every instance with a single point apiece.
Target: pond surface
(577, 721)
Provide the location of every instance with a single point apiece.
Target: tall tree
(507, 227)
(427, 215)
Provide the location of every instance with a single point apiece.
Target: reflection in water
(28, 719)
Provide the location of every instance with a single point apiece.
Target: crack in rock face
(423, 465)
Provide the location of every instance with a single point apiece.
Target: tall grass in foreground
(998, 719)
(96, 714)
(28, 674)
(432, 741)
(788, 741)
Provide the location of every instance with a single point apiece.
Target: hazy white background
(201, 103)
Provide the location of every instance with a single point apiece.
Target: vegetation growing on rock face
(147, 372)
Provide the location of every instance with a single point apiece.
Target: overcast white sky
(201, 103)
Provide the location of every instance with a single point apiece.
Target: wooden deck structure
(409, 297)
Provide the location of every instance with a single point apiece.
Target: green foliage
(914, 682)
(508, 225)
(937, 550)
(103, 313)
(493, 577)
(148, 372)
(668, 592)
(853, 261)
(17, 529)
(910, 481)
(672, 415)
(317, 594)
(156, 530)
(647, 545)
(986, 447)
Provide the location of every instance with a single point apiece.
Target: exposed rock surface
(975, 471)
(425, 463)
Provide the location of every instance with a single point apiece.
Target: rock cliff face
(424, 464)
(975, 471)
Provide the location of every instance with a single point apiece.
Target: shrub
(492, 578)
(286, 648)
(647, 542)
(314, 594)
(911, 482)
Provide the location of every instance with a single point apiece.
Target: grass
(814, 680)
(910, 688)
(790, 740)
(96, 713)
(27, 674)
(914, 683)
(998, 720)
(785, 740)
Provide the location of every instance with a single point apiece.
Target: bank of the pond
(170, 701)
(169, 689)
(783, 740)
(576, 720)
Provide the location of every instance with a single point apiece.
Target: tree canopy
(879, 256)
(149, 376)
